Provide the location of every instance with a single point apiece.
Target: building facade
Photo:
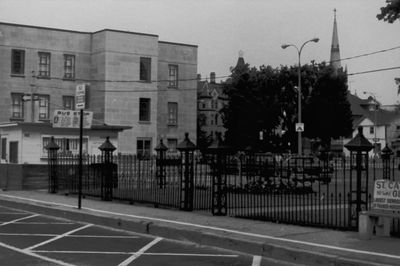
(211, 99)
(133, 80)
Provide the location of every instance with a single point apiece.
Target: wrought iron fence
(303, 190)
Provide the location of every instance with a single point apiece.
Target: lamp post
(284, 46)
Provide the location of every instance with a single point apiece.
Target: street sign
(70, 119)
(299, 127)
(80, 96)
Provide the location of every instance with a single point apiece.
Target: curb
(223, 240)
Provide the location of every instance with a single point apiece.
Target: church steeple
(335, 52)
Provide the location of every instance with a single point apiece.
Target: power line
(366, 54)
(374, 70)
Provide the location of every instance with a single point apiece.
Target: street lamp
(284, 46)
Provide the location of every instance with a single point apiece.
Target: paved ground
(295, 244)
(28, 238)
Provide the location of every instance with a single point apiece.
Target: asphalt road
(32, 239)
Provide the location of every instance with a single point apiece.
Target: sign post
(80, 95)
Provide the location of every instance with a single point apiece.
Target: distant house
(380, 125)
(210, 100)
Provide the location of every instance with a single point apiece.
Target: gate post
(186, 148)
(386, 156)
(161, 149)
(219, 194)
(52, 149)
(107, 171)
(359, 147)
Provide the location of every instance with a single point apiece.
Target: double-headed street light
(299, 130)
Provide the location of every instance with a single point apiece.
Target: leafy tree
(203, 139)
(328, 114)
(390, 12)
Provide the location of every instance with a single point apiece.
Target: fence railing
(289, 189)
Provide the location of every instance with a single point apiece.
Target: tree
(203, 139)
(328, 114)
(390, 12)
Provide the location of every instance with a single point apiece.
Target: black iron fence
(282, 188)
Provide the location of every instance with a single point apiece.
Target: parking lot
(33, 239)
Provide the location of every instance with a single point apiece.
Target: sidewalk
(297, 244)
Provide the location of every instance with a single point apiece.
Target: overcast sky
(221, 28)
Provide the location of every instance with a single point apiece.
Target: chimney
(212, 77)
(198, 77)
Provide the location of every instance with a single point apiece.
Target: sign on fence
(70, 119)
(386, 195)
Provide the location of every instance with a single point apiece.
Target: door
(13, 152)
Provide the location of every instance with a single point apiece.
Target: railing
(296, 190)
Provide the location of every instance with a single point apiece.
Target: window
(44, 107)
(17, 106)
(13, 151)
(371, 130)
(145, 69)
(172, 143)
(44, 64)
(69, 102)
(144, 109)
(173, 76)
(143, 147)
(69, 66)
(172, 114)
(66, 144)
(4, 148)
(216, 119)
(17, 62)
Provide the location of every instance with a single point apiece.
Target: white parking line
(20, 219)
(29, 253)
(58, 237)
(140, 252)
(357, 251)
(77, 236)
(43, 223)
(133, 253)
(256, 261)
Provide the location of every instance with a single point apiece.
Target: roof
(360, 111)
(205, 88)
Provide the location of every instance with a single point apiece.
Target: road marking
(256, 261)
(53, 204)
(13, 213)
(77, 236)
(20, 219)
(26, 252)
(133, 253)
(140, 252)
(43, 223)
(58, 237)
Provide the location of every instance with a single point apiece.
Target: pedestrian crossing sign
(299, 127)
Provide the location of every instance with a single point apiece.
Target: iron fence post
(161, 149)
(52, 149)
(386, 157)
(219, 192)
(359, 147)
(187, 147)
(107, 175)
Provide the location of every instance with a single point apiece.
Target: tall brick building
(134, 80)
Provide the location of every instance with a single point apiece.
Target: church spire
(335, 52)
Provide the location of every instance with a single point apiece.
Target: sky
(222, 28)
